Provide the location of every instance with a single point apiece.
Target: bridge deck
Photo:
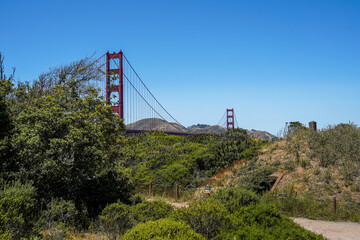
(133, 131)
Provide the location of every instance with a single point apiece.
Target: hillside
(317, 167)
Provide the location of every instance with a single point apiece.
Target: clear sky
(272, 61)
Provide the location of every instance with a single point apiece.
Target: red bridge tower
(119, 109)
(229, 119)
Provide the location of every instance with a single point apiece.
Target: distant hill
(204, 128)
(156, 124)
(261, 135)
(159, 124)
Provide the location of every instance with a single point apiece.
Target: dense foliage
(166, 160)
(63, 140)
(66, 165)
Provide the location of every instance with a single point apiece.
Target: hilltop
(156, 124)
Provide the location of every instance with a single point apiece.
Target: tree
(67, 140)
(5, 119)
(294, 127)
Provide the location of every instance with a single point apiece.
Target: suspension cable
(143, 98)
(150, 92)
(236, 121)
(221, 119)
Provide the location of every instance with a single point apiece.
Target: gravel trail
(331, 230)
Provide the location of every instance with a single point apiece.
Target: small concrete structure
(312, 126)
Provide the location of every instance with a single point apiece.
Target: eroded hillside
(318, 166)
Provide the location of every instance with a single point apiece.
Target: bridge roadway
(133, 131)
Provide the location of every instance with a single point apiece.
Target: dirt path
(175, 204)
(331, 230)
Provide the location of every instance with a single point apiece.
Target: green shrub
(162, 229)
(235, 198)
(264, 222)
(58, 219)
(18, 209)
(258, 180)
(205, 217)
(115, 219)
(152, 210)
(5, 236)
(60, 211)
(136, 199)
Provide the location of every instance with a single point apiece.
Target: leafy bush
(264, 222)
(115, 219)
(235, 198)
(18, 209)
(136, 199)
(59, 211)
(205, 217)
(58, 219)
(152, 210)
(162, 229)
(258, 180)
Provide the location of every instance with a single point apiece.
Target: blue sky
(272, 61)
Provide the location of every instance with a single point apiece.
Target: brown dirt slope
(301, 175)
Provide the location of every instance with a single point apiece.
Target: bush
(258, 181)
(136, 199)
(234, 198)
(264, 222)
(58, 218)
(18, 209)
(205, 217)
(161, 229)
(60, 211)
(150, 211)
(115, 219)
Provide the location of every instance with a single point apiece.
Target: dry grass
(303, 175)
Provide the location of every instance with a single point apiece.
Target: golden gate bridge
(133, 102)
